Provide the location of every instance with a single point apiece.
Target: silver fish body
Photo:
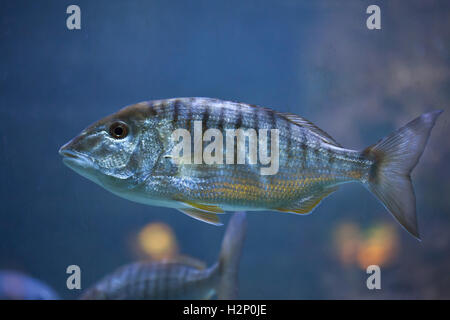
(309, 160)
(310, 164)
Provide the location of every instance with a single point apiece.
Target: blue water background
(313, 58)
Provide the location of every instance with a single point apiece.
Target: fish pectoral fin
(307, 206)
(204, 207)
(208, 217)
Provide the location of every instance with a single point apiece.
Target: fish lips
(78, 162)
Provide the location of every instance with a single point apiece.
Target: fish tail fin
(395, 156)
(230, 254)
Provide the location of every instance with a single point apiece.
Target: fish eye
(118, 130)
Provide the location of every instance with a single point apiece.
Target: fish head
(116, 151)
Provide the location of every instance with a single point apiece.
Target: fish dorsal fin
(302, 122)
(188, 261)
(308, 205)
(208, 217)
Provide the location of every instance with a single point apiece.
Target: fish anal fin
(208, 217)
(307, 206)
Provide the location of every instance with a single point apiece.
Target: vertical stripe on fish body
(310, 161)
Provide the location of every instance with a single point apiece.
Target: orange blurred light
(347, 238)
(158, 241)
(376, 246)
(379, 247)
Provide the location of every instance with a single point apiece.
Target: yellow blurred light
(379, 247)
(376, 246)
(347, 238)
(158, 241)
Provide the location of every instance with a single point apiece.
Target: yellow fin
(308, 205)
(204, 207)
(208, 217)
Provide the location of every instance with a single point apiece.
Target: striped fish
(184, 279)
(131, 153)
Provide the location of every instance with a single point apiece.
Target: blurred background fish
(15, 285)
(182, 278)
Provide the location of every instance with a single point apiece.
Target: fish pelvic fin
(208, 217)
(306, 206)
(230, 255)
(395, 156)
(204, 207)
(203, 212)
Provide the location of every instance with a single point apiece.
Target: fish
(179, 278)
(131, 153)
(15, 285)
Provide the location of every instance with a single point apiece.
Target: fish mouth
(74, 158)
(69, 154)
(80, 163)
